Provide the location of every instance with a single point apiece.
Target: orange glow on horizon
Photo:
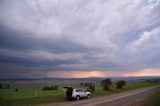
(76, 74)
(145, 72)
(86, 74)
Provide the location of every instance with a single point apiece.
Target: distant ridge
(83, 79)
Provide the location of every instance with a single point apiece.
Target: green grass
(30, 96)
(154, 100)
(37, 96)
(136, 85)
(129, 86)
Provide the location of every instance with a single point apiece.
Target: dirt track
(121, 99)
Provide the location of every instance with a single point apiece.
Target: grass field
(129, 86)
(153, 100)
(37, 96)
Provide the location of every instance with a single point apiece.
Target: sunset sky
(79, 38)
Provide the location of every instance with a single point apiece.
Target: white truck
(76, 93)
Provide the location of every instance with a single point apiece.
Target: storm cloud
(39, 37)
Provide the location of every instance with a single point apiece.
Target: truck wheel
(78, 97)
(88, 96)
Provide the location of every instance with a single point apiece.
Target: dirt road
(121, 99)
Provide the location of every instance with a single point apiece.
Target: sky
(79, 38)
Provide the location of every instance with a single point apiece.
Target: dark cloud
(10, 39)
(44, 36)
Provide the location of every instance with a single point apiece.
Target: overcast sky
(79, 38)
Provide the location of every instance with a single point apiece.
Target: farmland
(30, 92)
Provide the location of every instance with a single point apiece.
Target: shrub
(16, 90)
(81, 84)
(86, 84)
(46, 88)
(106, 83)
(91, 87)
(120, 84)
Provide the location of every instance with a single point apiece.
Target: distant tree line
(7, 86)
(50, 88)
(4, 86)
(153, 80)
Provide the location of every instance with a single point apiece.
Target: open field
(31, 93)
(152, 100)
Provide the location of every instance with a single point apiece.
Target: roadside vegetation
(50, 94)
(154, 100)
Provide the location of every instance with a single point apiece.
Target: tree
(7, 86)
(86, 84)
(56, 87)
(1, 85)
(91, 87)
(120, 84)
(106, 83)
(81, 84)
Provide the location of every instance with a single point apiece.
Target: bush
(81, 84)
(106, 83)
(16, 90)
(45, 88)
(86, 84)
(120, 84)
(91, 87)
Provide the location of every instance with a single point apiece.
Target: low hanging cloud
(109, 37)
